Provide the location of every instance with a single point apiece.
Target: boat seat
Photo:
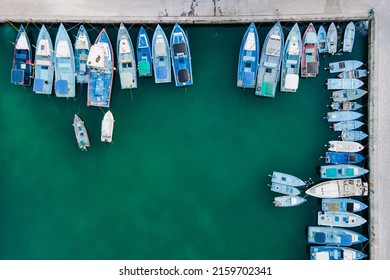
(61, 87)
(17, 76)
(291, 62)
(183, 75)
(270, 64)
(249, 58)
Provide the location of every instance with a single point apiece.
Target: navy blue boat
(21, 67)
(144, 54)
(343, 157)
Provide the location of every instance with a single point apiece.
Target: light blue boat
(335, 253)
(348, 94)
(349, 37)
(341, 171)
(345, 65)
(322, 42)
(144, 54)
(286, 179)
(64, 65)
(331, 39)
(342, 205)
(101, 71)
(161, 57)
(81, 51)
(181, 57)
(127, 66)
(340, 116)
(284, 189)
(248, 59)
(346, 106)
(21, 66)
(288, 200)
(336, 83)
(334, 236)
(44, 63)
(291, 61)
(353, 135)
(340, 219)
(347, 125)
(268, 74)
(343, 157)
(357, 73)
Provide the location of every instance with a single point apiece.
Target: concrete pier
(237, 11)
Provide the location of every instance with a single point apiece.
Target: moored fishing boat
(269, 67)
(346, 125)
(339, 116)
(344, 83)
(64, 65)
(287, 179)
(339, 188)
(322, 42)
(345, 65)
(340, 219)
(101, 71)
(81, 133)
(353, 74)
(21, 65)
(342, 205)
(81, 51)
(346, 106)
(288, 201)
(291, 61)
(353, 135)
(349, 37)
(144, 54)
(181, 57)
(348, 94)
(342, 157)
(309, 59)
(107, 127)
(127, 66)
(341, 171)
(334, 236)
(284, 189)
(161, 56)
(335, 253)
(331, 39)
(43, 65)
(345, 146)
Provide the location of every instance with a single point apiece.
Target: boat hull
(339, 188)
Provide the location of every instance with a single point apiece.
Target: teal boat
(288, 201)
(331, 39)
(334, 236)
(348, 94)
(340, 116)
(322, 42)
(161, 57)
(64, 65)
(340, 219)
(353, 135)
(342, 205)
(144, 54)
(349, 37)
(127, 66)
(81, 51)
(44, 63)
(335, 253)
(341, 171)
(248, 59)
(345, 65)
(346, 125)
(347, 83)
(268, 74)
(21, 65)
(291, 61)
(284, 189)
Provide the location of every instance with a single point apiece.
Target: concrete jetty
(244, 11)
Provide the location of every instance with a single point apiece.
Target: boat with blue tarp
(21, 65)
(342, 205)
(347, 125)
(322, 42)
(343, 157)
(334, 236)
(127, 67)
(81, 51)
(341, 171)
(161, 56)
(335, 253)
(144, 54)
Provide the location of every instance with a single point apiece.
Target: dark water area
(186, 176)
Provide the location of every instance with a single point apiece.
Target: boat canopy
(160, 47)
(273, 46)
(143, 67)
(22, 43)
(180, 48)
(291, 81)
(183, 75)
(250, 43)
(82, 42)
(62, 49)
(43, 48)
(96, 57)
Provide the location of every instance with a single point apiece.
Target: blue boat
(346, 125)
(347, 83)
(335, 253)
(348, 94)
(346, 106)
(21, 66)
(339, 116)
(81, 51)
(181, 57)
(340, 219)
(341, 171)
(64, 65)
(291, 61)
(334, 236)
(343, 157)
(286, 179)
(101, 71)
(342, 205)
(248, 59)
(127, 66)
(144, 54)
(345, 65)
(44, 63)
(353, 135)
(322, 40)
(268, 74)
(161, 57)
(284, 189)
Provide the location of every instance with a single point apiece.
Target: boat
(346, 106)
(353, 74)
(287, 179)
(161, 57)
(331, 39)
(344, 83)
(339, 116)
(348, 94)
(335, 253)
(339, 188)
(81, 133)
(340, 219)
(349, 37)
(288, 200)
(345, 65)
(21, 65)
(345, 146)
(309, 59)
(107, 127)
(81, 51)
(334, 236)
(343, 157)
(322, 42)
(127, 67)
(341, 171)
(291, 61)
(284, 189)
(339, 37)
(43, 65)
(353, 135)
(101, 71)
(346, 125)
(248, 59)
(181, 57)
(144, 54)
(268, 74)
(64, 65)
(342, 205)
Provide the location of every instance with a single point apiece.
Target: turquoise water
(186, 175)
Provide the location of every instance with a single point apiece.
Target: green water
(186, 174)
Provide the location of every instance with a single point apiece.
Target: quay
(244, 11)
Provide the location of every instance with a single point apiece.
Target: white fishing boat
(288, 200)
(349, 37)
(345, 146)
(339, 188)
(107, 127)
(340, 219)
(331, 39)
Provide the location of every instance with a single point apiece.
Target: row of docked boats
(329, 40)
(64, 66)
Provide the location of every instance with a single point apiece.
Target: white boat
(339, 188)
(107, 127)
(331, 39)
(287, 179)
(349, 37)
(340, 219)
(127, 66)
(344, 83)
(345, 146)
(288, 200)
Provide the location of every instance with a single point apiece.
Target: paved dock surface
(219, 11)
